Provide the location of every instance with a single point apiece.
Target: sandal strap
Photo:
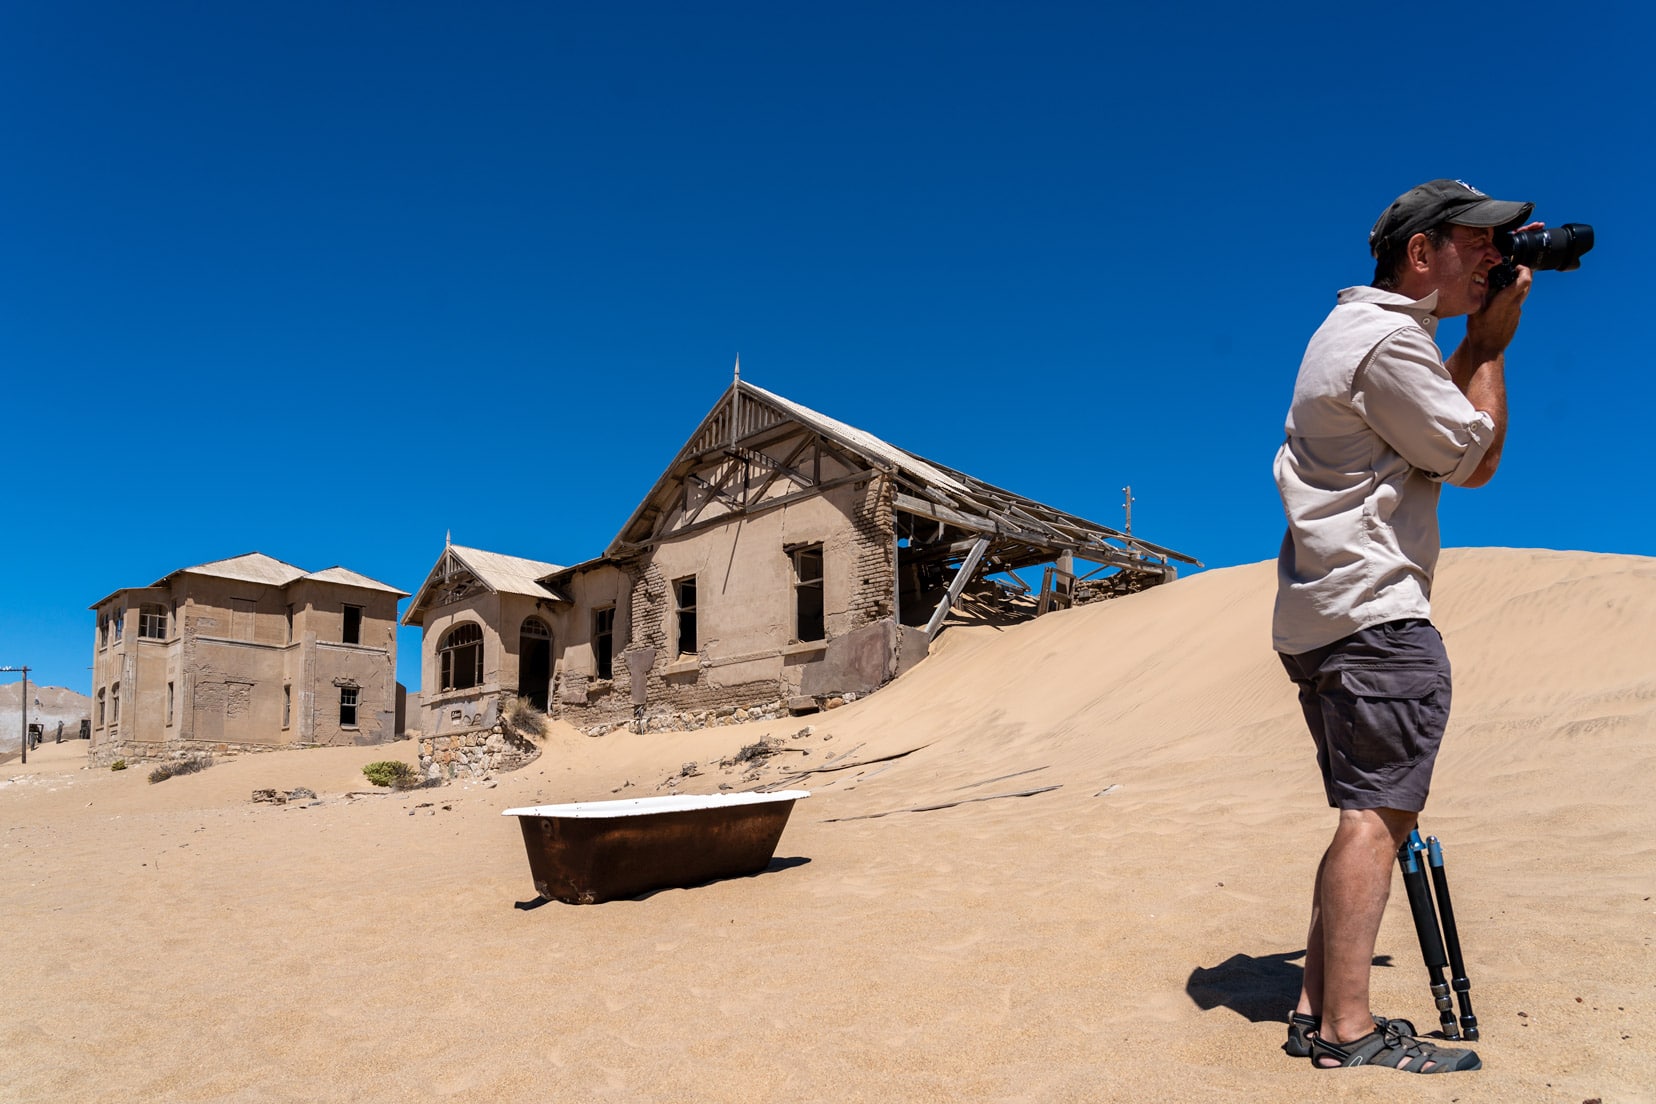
(1390, 1046)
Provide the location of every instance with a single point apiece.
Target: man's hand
(1490, 329)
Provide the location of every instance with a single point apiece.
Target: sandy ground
(1133, 934)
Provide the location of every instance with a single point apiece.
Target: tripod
(1440, 948)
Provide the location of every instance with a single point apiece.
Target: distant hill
(55, 704)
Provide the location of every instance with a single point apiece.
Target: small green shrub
(119, 764)
(392, 773)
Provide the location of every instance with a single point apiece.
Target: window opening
(603, 642)
(152, 622)
(535, 662)
(460, 657)
(348, 706)
(114, 705)
(808, 618)
(684, 614)
(100, 708)
(169, 704)
(119, 617)
(353, 625)
(287, 706)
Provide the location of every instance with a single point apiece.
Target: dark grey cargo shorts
(1376, 702)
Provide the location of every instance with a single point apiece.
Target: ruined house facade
(784, 562)
(243, 654)
(488, 630)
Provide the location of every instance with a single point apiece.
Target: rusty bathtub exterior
(594, 851)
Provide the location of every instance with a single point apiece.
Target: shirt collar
(1418, 309)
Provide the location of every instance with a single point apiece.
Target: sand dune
(1132, 931)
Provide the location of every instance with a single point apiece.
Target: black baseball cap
(1438, 201)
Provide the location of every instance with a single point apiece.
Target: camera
(1558, 248)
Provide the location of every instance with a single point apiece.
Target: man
(1379, 422)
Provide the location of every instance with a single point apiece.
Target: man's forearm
(1481, 377)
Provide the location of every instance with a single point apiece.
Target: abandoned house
(783, 562)
(243, 654)
(487, 626)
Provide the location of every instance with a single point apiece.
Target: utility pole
(25, 744)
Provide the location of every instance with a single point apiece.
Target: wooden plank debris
(859, 763)
(1001, 778)
(945, 804)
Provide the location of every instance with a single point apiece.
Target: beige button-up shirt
(1375, 427)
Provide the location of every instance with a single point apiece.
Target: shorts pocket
(1394, 715)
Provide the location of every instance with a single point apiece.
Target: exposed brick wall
(874, 553)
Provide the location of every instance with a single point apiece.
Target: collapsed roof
(943, 514)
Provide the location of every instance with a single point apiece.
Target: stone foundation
(659, 720)
(476, 753)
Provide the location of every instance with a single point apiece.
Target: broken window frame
(115, 705)
(603, 642)
(461, 649)
(810, 611)
(349, 700)
(101, 704)
(684, 616)
(170, 698)
(152, 621)
(287, 705)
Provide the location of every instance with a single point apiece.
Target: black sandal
(1394, 1049)
(1302, 1027)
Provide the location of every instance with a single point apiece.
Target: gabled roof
(1020, 530)
(346, 577)
(497, 571)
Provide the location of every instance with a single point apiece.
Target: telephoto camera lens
(1558, 248)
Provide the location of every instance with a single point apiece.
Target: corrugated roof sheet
(509, 574)
(863, 441)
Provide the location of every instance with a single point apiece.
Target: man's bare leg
(1311, 989)
(1353, 884)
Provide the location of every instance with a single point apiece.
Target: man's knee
(1393, 824)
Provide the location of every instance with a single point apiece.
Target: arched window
(461, 657)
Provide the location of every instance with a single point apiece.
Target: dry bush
(521, 716)
(183, 766)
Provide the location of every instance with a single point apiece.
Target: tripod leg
(1451, 939)
(1426, 927)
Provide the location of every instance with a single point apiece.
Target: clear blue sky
(328, 280)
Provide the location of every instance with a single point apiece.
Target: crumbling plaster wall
(747, 652)
(576, 679)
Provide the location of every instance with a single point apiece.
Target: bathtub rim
(648, 806)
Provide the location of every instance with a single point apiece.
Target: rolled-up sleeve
(1405, 393)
